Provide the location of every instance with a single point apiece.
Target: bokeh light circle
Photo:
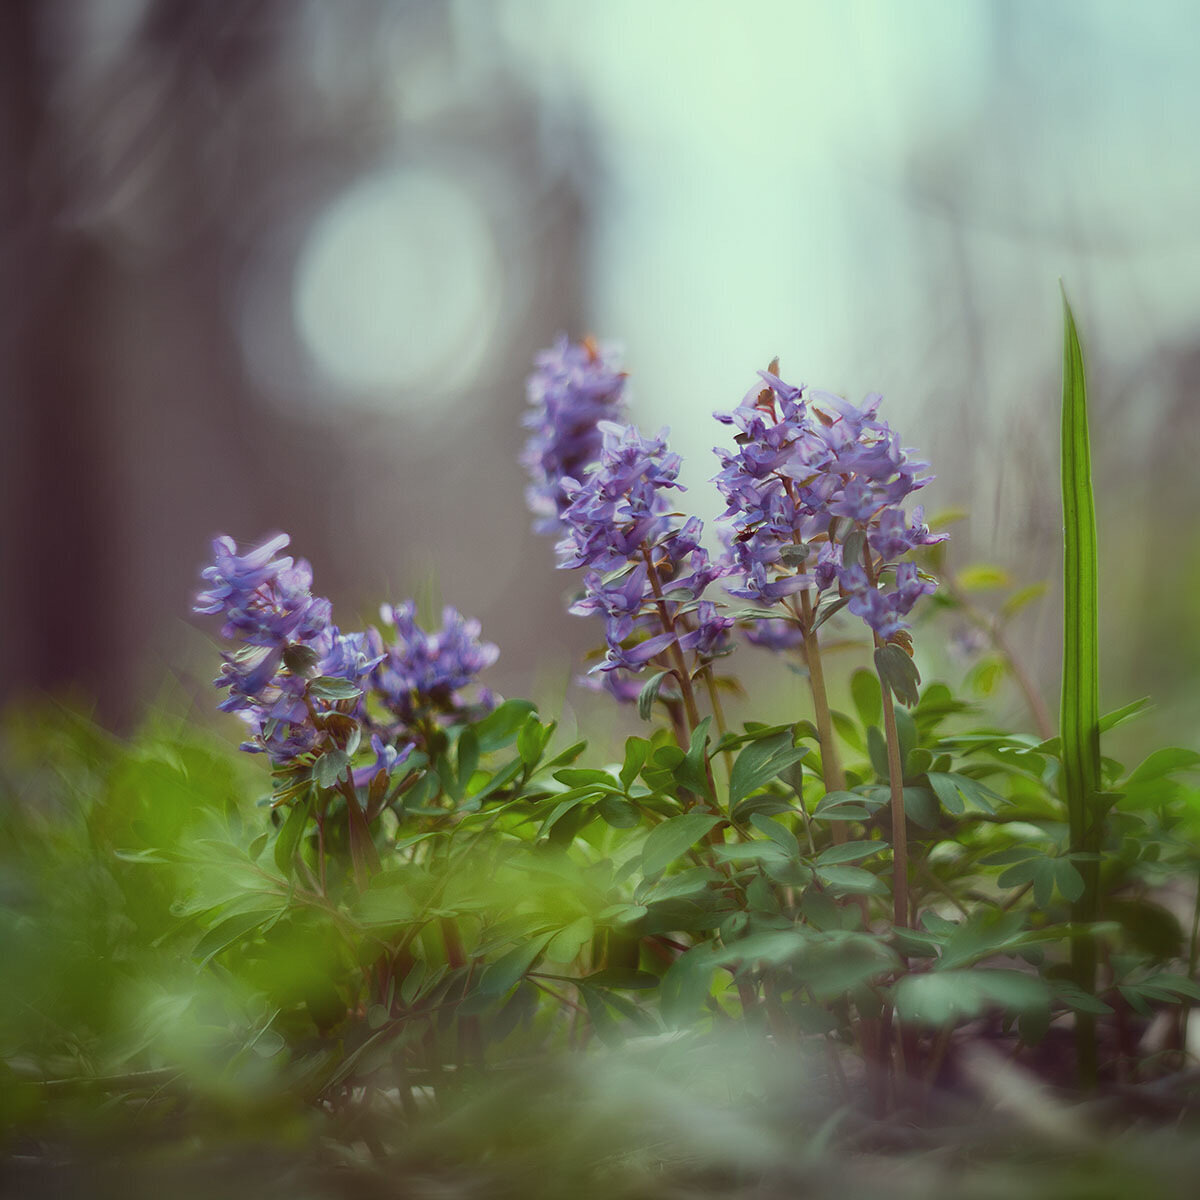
(397, 284)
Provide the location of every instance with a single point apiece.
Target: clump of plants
(435, 888)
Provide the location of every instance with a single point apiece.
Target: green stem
(718, 710)
(899, 825)
(677, 659)
(831, 766)
(900, 915)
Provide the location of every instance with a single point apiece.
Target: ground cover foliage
(422, 947)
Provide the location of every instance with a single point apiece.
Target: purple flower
(573, 389)
(804, 459)
(421, 674)
(775, 634)
(619, 507)
(287, 642)
(387, 759)
(266, 601)
(645, 571)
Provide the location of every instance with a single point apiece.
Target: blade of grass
(1080, 713)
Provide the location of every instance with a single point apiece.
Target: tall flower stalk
(601, 487)
(814, 492)
(645, 570)
(314, 698)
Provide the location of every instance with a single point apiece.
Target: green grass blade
(1080, 713)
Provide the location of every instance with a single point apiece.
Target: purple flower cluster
(645, 573)
(288, 678)
(288, 639)
(421, 674)
(808, 472)
(573, 389)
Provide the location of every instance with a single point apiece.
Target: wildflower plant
(572, 390)
(435, 885)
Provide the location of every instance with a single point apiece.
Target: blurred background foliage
(272, 264)
(283, 264)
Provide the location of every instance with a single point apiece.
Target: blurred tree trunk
(61, 554)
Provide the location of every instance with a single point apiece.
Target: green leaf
(1022, 597)
(618, 813)
(848, 730)
(671, 839)
(917, 761)
(980, 577)
(761, 761)
(851, 880)
(899, 672)
(877, 750)
(504, 974)
(1067, 879)
(603, 1022)
(948, 786)
(756, 851)
(1162, 763)
(290, 834)
(853, 546)
(589, 777)
(828, 608)
(868, 699)
(920, 807)
(502, 778)
(1080, 1001)
(849, 852)
(783, 837)
(468, 755)
(691, 882)
(946, 791)
(649, 693)
(500, 726)
(563, 757)
(636, 750)
(559, 811)
(531, 740)
(978, 937)
(623, 914)
(906, 732)
(1126, 712)
(330, 767)
(790, 872)
(939, 997)
(567, 942)
(622, 979)
(692, 771)
(845, 806)
(686, 984)
(231, 930)
(1080, 708)
(1167, 986)
(330, 687)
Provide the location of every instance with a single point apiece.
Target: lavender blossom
(808, 469)
(646, 572)
(422, 675)
(573, 389)
(287, 641)
(620, 506)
